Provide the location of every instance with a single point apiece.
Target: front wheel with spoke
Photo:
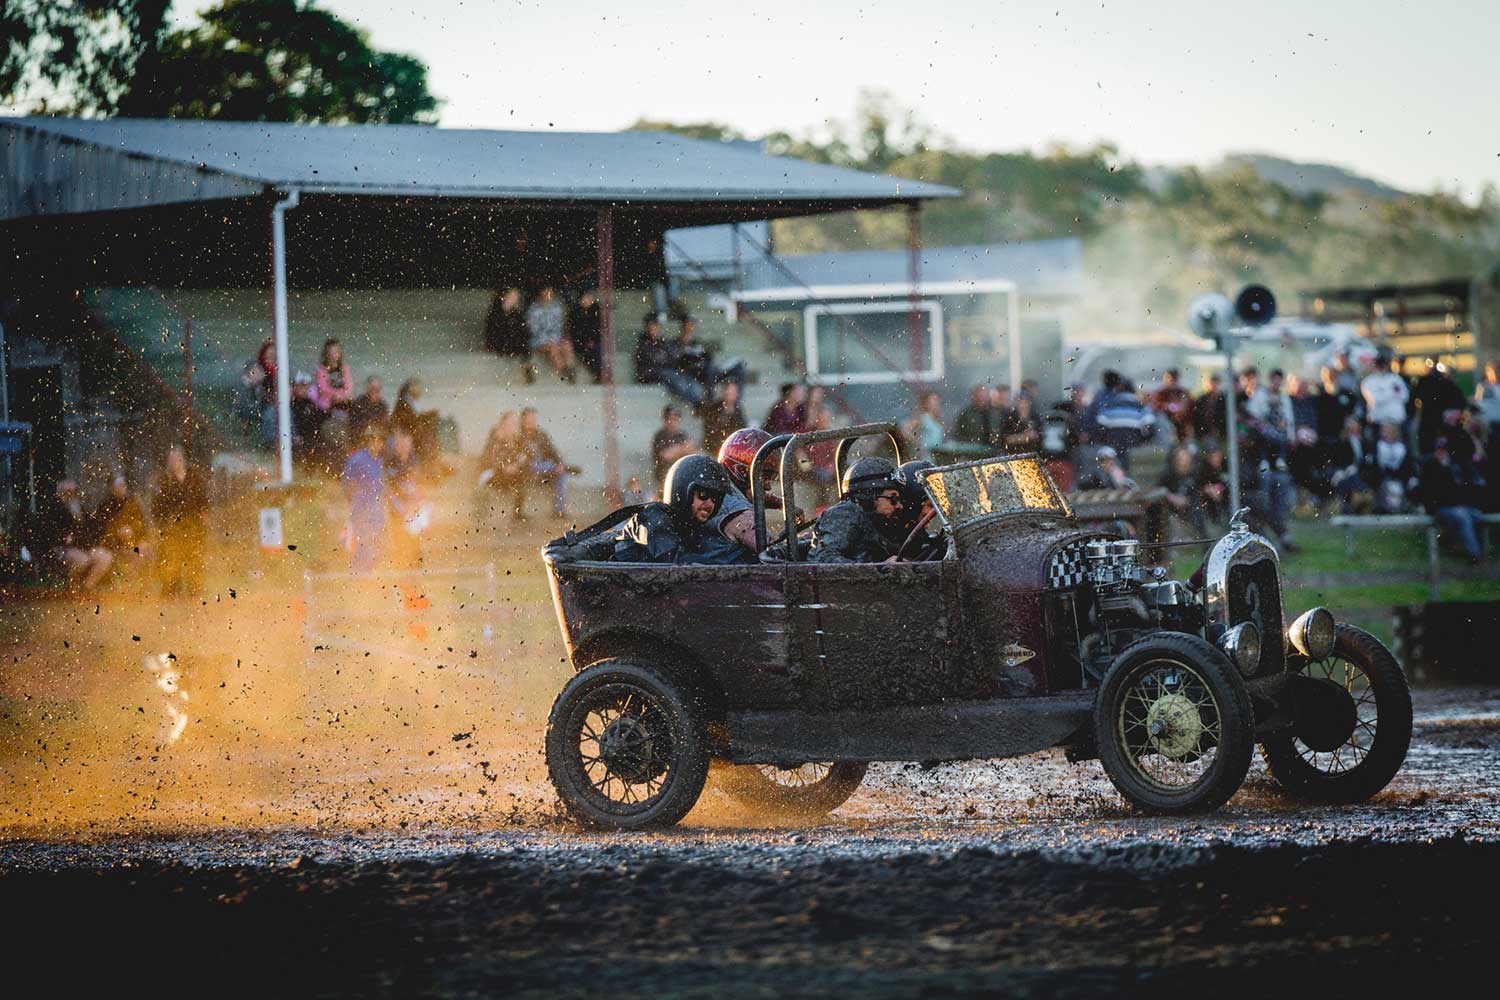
(1352, 722)
(625, 748)
(805, 791)
(1174, 726)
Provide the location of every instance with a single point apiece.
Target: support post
(1231, 427)
(1432, 563)
(187, 380)
(914, 334)
(605, 237)
(279, 331)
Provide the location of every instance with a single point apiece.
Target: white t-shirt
(1385, 395)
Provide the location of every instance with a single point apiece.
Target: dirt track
(1024, 877)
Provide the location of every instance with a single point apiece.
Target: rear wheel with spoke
(1173, 724)
(806, 790)
(1352, 722)
(625, 749)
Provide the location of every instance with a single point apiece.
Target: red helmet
(738, 450)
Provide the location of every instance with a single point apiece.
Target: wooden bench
(1349, 522)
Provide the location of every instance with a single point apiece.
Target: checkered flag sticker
(1069, 568)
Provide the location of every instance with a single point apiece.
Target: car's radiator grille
(1255, 596)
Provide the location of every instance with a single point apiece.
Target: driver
(684, 528)
(864, 525)
(915, 505)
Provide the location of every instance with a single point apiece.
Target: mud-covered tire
(1197, 698)
(657, 736)
(763, 789)
(1307, 774)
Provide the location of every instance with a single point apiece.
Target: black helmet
(689, 473)
(909, 478)
(868, 478)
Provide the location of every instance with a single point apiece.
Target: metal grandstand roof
(73, 165)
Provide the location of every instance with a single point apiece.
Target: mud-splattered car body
(999, 648)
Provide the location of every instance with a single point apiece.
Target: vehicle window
(965, 492)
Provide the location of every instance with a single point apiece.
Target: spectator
(1440, 405)
(63, 536)
(722, 416)
(1265, 482)
(333, 383)
(266, 359)
(505, 325)
(669, 443)
(584, 331)
(503, 463)
(821, 458)
(1390, 470)
(1213, 481)
(1060, 438)
(544, 464)
(633, 495)
(1335, 403)
(1108, 473)
(180, 511)
(1450, 491)
(1021, 431)
(1385, 393)
(1031, 391)
(1487, 399)
(119, 523)
(410, 415)
(1344, 374)
(410, 513)
(786, 414)
(977, 423)
(1180, 480)
(814, 401)
(1250, 396)
(925, 428)
(1346, 466)
(656, 364)
(307, 421)
(249, 400)
(696, 361)
(1175, 404)
(1210, 411)
(546, 328)
(365, 488)
(368, 408)
(1117, 418)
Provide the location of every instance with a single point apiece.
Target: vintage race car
(1031, 632)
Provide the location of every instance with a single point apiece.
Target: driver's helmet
(909, 478)
(689, 473)
(738, 451)
(867, 478)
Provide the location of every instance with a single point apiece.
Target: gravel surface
(1024, 877)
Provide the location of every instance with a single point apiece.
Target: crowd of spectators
(559, 330)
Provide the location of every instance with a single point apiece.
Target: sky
(1408, 94)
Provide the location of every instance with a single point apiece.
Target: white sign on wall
(270, 528)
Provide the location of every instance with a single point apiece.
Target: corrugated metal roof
(1038, 267)
(430, 161)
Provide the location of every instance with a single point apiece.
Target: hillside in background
(1154, 236)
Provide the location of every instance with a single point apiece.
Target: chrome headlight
(1313, 633)
(1242, 644)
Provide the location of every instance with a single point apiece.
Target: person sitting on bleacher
(1450, 491)
(1390, 470)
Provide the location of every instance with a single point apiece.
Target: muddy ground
(335, 787)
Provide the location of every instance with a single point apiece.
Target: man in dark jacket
(1450, 491)
(1440, 404)
(979, 422)
(862, 527)
(181, 512)
(680, 529)
(62, 535)
(722, 416)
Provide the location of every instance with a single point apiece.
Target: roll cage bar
(789, 445)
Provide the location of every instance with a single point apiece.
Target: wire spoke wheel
(801, 791)
(1352, 722)
(1170, 725)
(1173, 724)
(624, 749)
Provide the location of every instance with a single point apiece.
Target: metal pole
(1231, 429)
(10, 487)
(283, 352)
(605, 236)
(914, 278)
(1013, 339)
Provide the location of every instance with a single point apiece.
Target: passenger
(915, 505)
(735, 455)
(862, 527)
(682, 528)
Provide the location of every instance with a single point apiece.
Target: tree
(74, 56)
(245, 60)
